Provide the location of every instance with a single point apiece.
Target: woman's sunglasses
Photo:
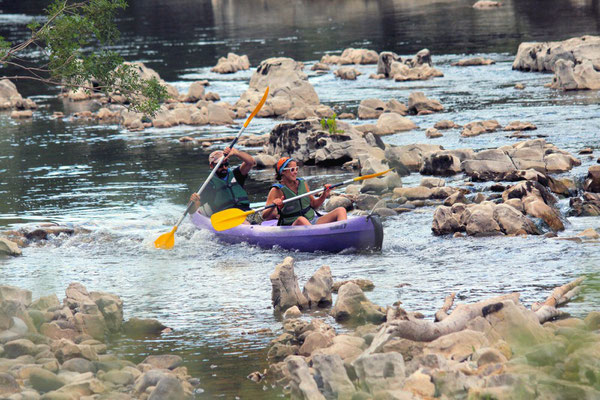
(293, 169)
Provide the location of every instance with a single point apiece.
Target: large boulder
(13, 293)
(318, 288)
(575, 62)
(409, 158)
(10, 98)
(332, 377)
(302, 384)
(285, 290)
(360, 56)
(390, 65)
(592, 181)
(543, 56)
(288, 87)
(195, 92)
(457, 345)
(505, 161)
(389, 123)
(380, 371)
(142, 326)
(111, 307)
(352, 305)
(230, 64)
(9, 247)
(568, 76)
(306, 141)
(373, 108)
(347, 73)
(485, 219)
(418, 102)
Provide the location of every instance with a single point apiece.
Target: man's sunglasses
(293, 169)
(223, 164)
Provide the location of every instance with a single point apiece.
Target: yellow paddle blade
(258, 107)
(375, 175)
(166, 241)
(229, 218)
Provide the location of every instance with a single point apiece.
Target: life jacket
(297, 208)
(228, 194)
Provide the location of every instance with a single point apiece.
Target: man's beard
(221, 173)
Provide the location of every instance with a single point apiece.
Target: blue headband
(284, 164)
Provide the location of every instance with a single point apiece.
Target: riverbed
(127, 188)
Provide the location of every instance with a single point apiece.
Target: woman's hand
(195, 198)
(278, 203)
(327, 190)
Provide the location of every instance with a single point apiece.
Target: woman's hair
(283, 161)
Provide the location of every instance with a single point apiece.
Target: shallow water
(128, 188)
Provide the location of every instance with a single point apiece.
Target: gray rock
(374, 185)
(19, 347)
(45, 381)
(338, 201)
(285, 291)
(380, 371)
(149, 378)
(166, 361)
(168, 388)
(318, 288)
(143, 326)
(366, 201)
(352, 305)
(8, 384)
(118, 377)
(9, 247)
(385, 212)
(15, 294)
(331, 376)
(303, 385)
(80, 365)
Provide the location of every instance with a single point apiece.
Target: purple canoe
(357, 233)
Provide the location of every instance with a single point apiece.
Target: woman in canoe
(301, 211)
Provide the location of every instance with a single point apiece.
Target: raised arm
(247, 160)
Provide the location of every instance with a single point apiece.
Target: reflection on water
(129, 187)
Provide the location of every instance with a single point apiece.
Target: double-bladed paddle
(233, 217)
(167, 240)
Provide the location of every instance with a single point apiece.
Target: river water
(128, 188)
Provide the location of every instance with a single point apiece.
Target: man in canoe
(226, 188)
(301, 211)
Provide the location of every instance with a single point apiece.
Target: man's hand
(228, 152)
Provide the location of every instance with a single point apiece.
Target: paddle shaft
(307, 194)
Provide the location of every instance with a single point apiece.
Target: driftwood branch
(443, 312)
(556, 297)
(547, 313)
(427, 331)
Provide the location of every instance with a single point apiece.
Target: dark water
(128, 188)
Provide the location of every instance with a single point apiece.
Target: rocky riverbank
(53, 350)
(495, 348)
